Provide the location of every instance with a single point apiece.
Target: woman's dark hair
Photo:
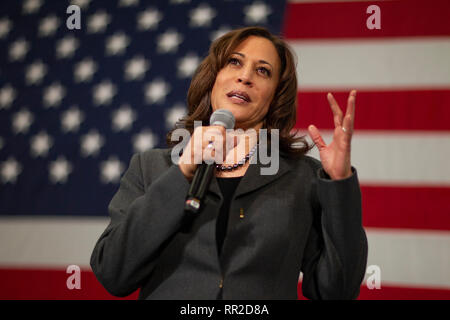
(282, 113)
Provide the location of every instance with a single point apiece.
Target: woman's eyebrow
(260, 61)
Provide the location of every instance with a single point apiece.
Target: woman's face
(247, 83)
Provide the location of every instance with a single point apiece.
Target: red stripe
(50, 284)
(396, 293)
(403, 293)
(380, 110)
(406, 207)
(348, 19)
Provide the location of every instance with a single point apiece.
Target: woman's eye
(264, 71)
(234, 61)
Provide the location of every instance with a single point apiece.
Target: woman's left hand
(335, 157)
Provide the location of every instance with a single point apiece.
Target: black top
(227, 187)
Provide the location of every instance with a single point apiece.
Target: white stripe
(395, 157)
(410, 258)
(375, 63)
(404, 257)
(48, 241)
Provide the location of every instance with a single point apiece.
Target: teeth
(240, 97)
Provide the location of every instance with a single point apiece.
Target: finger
(211, 144)
(337, 113)
(209, 152)
(236, 141)
(316, 137)
(347, 125)
(213, 133)
(216, 130)
(350, 112)
(232, 141)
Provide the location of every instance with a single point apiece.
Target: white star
(169, 41)
(128, 3)
(174, 114)
(156, 91)
(71, 119)
(10, 169)
(65, 48)
(81, 3)
(18, 50)
(48, 26)
(256, 13)
(117, 43)
(5, 27)
(104, 92)
(84, 70)
(187, 65)
(123, 118)
(53, 95)
(149, 19)
(35, 72)
(91, 143)
(40, 144)
(144, 140)
(136, 68)
(7, 96)
(218, 33)
(111, 170)
(21, 121)
(59, 170)
(31, 6)
(201, 16)
(98, 22)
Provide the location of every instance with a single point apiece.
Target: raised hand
(335, 157)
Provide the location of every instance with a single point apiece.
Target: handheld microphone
(204, 172)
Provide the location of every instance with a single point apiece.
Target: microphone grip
(196, 180)
(196, 193)
(204, 173)
(199, 185)
(208, 172)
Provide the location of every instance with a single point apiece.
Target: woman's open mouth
(239, 97)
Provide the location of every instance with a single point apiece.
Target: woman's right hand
(196, 150)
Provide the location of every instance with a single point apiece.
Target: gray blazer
(296, 220)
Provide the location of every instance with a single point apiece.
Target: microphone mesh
(223, 118)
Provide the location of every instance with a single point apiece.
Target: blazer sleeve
(142, 219)
(335, 255)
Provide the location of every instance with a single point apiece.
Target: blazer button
(241, 213)
(221, 283)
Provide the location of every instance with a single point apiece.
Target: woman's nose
(245, 77)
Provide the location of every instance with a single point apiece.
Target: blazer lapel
(253, 179)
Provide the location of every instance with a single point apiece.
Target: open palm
(335, 157)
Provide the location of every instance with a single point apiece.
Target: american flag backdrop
(75, 104)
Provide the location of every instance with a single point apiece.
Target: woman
(255, 232)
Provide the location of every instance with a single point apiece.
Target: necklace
(221, 167)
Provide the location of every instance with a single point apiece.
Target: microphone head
(223, 118)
